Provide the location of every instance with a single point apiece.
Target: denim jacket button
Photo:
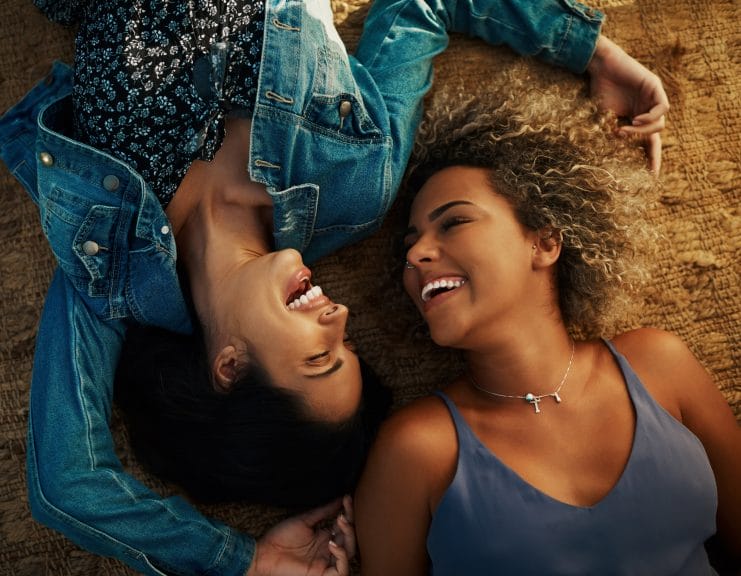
(165, 230)
(46, 159)
(345, 108)
(111, 182)
(90, 248)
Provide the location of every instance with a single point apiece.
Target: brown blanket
(693, 45)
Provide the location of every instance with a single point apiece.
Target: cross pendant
(534, 400)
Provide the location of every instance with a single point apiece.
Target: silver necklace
(530, 397)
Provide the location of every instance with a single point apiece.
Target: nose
(423, 250)
(336, 314)
(289, 257)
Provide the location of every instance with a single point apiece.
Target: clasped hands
(301, 546)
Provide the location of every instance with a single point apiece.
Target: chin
(445, 336)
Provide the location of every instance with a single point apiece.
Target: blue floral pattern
(155, 79)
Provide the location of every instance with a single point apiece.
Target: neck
(221, 219)
(530, 362)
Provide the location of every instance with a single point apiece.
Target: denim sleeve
(562, 32)
(77, 485)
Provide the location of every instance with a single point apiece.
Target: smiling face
(475, 270)
(273, 314)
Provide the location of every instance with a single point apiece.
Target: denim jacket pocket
(343, 117)
(82, 240)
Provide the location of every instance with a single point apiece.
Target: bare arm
(410, 463)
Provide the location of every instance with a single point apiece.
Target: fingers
(313, 517)
(348, 509)
(651, 120)
(659, 108)
(341, 561)
(653, 151)
(346, 528)
(649, 126)
(648, 122)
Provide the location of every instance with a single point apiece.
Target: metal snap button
(90, 248)
(111, 182)
(345, 108)
(46, 159)
(165, 229)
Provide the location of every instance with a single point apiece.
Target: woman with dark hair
(244, 135)
(552, 453)
(194, 434)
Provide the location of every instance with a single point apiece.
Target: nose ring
(408, 266)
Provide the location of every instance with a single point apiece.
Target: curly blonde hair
(559, 163)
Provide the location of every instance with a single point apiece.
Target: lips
(302, 295)
(304, 300)
(438, 286)
(298, 284)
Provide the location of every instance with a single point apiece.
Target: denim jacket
(331, 136)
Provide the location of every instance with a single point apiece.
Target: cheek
(411, 286)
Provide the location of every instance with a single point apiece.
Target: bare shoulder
(416, 447)
(418, 431)
(668, 369)
(651, 345)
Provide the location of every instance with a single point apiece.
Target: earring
(408, 266)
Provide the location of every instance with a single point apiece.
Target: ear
(546, 247)
(225, 368)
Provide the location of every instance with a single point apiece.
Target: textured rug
(694, 45)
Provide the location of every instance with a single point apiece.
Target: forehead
(455, 183)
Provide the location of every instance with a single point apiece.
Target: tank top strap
(466, 437)
(638, 393)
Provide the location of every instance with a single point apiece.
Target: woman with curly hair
(550, 454)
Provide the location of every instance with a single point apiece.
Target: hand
(622, 84)
(297, 547)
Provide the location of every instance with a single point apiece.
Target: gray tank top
(653, 522)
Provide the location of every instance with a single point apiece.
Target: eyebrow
(332, 369)
(437, 212)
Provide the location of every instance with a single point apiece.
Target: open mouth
(303, 295)
(440, 286)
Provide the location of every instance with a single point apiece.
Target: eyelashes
(444, 226)
(322, 358)
(449, 223)
(318, 359)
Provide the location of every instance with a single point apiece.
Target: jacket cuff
(235, 557)
(579, 40)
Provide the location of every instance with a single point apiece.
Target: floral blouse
(155, 79)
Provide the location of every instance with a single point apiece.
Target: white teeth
(436, 285)
(310, 295)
